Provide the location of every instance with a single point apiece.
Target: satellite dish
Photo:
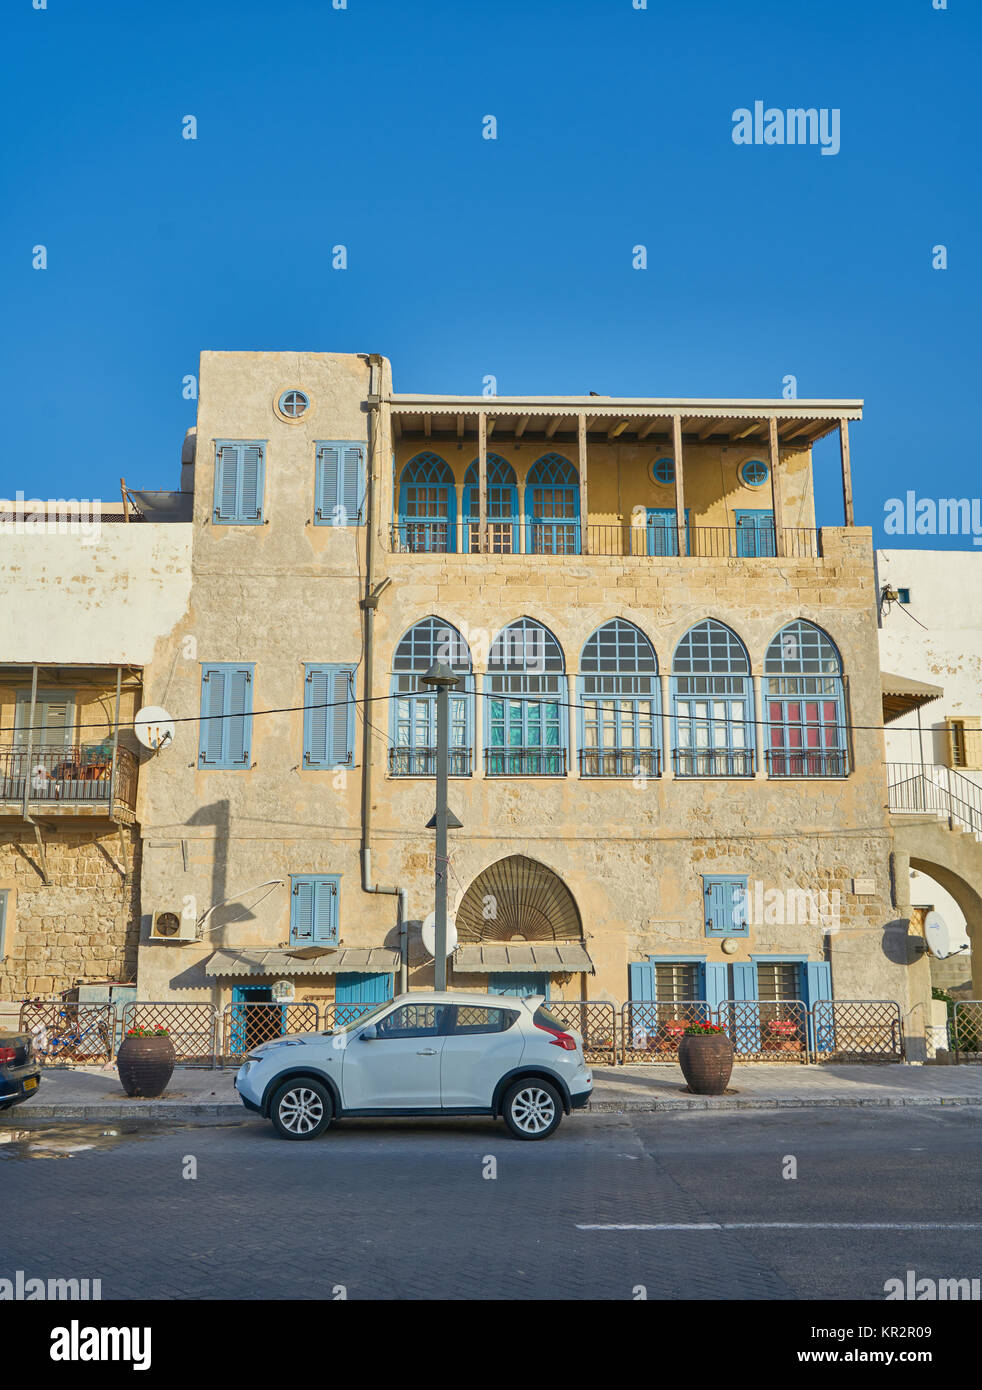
(937, 934)
(428, 933)
(154, 727)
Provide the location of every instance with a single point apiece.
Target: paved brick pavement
(94, 1093)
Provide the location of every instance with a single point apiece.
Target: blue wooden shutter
(746, 1035)
(716, 983)
(316, 720)
(251, 499)
(641, 977)
(363, 988)
(239, 484)
(326, 910)
(342, 731)
(340, 484)
(226, 482)
(212, 716)
(327, 484)
(239, 705)
(302, 928)
(329, 717)
(352, 476)
(818, 986)
(744, 980)
(725, 905)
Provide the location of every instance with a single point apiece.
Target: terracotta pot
(145, 1064)
(706, 1060)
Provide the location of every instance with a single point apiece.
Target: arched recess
(517, 899)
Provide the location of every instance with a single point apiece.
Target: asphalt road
(403, 1209)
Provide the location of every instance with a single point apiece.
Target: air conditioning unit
(168, 925)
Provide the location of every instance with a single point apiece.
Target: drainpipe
(368, 606)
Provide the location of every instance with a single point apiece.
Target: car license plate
(30, 1083)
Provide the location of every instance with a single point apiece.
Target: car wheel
(301, 1109)
(533, 1109)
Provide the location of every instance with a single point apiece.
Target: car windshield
(361, 1020)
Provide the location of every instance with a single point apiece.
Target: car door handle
(426, 1052)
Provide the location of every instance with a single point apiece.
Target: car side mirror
(368, 1034)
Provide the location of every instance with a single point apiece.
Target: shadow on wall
(217, 815)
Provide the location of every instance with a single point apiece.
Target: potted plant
(706, 1058)
(145, 1061)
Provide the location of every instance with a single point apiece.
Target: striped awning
(538, 957)
(346, 961)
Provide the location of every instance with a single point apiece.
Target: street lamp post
(443, 679)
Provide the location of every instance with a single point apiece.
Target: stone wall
(84, 926)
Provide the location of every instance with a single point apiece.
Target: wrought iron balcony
(645, 541)
(421, 762)
(525, 762)
(620, 762)
(829, 762)
(713, 762)
(78, 779)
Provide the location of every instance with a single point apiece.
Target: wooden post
(482, 482)
(679, 484)
(850, 520)
(777, 498)
(584, 494)
(126, 500)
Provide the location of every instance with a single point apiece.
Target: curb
(154, 1112)
(774, 1103)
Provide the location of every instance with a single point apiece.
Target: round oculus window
(754, 473)
(293, 404)
(663, 470)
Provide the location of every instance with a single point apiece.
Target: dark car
(20, 1074)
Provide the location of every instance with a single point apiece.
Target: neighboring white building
(931, 632)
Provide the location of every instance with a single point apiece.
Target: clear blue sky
(470, 257)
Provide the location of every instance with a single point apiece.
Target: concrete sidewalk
(199, 1094)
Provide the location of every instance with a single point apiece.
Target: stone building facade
(667, 741)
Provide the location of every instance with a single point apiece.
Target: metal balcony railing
(424, 537)
(829, 762)
(941, 791)
(719, 762)
(621, 762)
(525, 762)
(607, 539)
(78, 776)
(421, 762)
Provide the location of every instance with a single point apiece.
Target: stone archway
(517, 899)
(953, 858)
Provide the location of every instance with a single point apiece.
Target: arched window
(413, 750)
(713, 704)
(618, 695)
(552, 507)
(502, 507)
(427, 505)
(525, 703)
(805, 702)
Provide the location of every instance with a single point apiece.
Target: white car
(424, 1054)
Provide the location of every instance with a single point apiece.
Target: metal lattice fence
(192, 1028)
(651, 1031)
(595, 1021)
(245, 1026)
(766, 1030)
(340, 1015)
(967, 1030)
(67, 1032)
(857, 1030)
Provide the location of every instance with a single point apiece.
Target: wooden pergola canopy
(799, 423)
